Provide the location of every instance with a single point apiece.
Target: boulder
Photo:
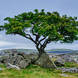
(59, 62)
(44, 61)
(21, 60)
(24, 63)
(3, 59)
(15, 60)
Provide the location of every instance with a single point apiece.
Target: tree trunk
(44, 61)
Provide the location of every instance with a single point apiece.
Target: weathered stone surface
(45, 61)
(22, 59)
(12, 66)
(19, 60)
(3, 59)
(71, 70)
(67, 58)
(12, 57)
(59, 62)
(24, 63)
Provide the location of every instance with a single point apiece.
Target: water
(60, 52)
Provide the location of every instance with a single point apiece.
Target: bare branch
(33, 31)
(45, 43)
(42, 39)
(28, 36)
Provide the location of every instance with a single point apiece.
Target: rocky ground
(13, 59)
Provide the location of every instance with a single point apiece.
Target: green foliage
(46, 24)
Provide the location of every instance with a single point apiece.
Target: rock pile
(21, 60)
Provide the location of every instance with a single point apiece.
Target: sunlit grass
(71, 64)
(33, 71)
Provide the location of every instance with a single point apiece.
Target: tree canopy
(44, 26)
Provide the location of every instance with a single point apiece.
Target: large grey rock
(13, 57)
(28, 56)
(44, 61)
(59, 62)
(3, 59)
(24, 63)
(15, 60)
(19, 60)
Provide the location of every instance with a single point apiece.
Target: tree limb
(42, 39)
(45, 43)
(28, 36)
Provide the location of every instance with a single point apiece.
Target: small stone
(1, 69)
(65, 75)
(13, 66)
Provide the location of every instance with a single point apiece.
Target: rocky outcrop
(17, 59)
(22, 60)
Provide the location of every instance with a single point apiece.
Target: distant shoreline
(53, 51)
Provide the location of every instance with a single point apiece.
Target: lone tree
(43, 28)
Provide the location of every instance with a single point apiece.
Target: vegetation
(43, 28)
(71, 64)
(35, 72)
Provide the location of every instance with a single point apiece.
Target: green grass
(33, 71)
(71, 64)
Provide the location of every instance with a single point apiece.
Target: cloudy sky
(15, 7)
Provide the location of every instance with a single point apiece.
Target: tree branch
(42, 39)
(33, 31)
(45, 43)
(37, 38)
(28, 36)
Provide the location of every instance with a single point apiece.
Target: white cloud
(5, 43)
(72, 46)
(1, 37)
(10, 45)
(28, 45)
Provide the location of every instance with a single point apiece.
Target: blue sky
(15, 7)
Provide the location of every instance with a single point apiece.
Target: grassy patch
(71, 64)
(33, 71)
